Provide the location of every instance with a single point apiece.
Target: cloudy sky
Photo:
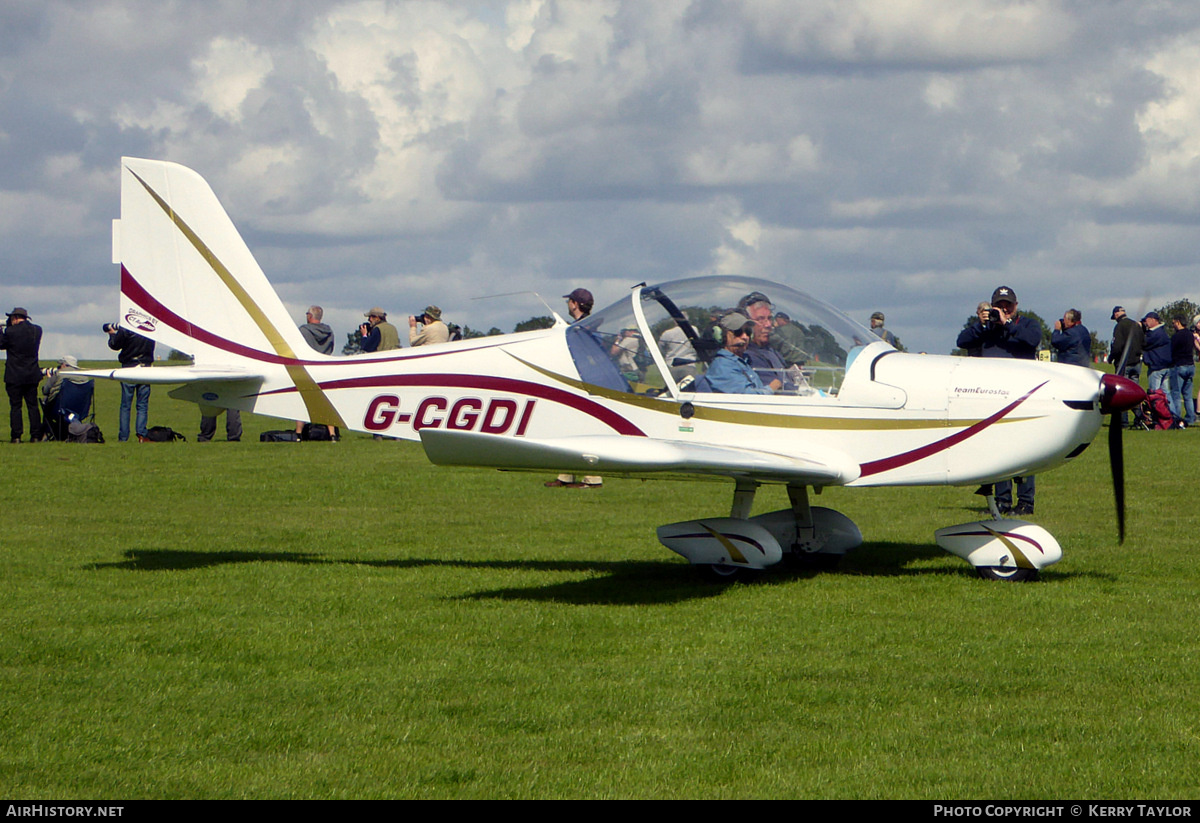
(903, 155)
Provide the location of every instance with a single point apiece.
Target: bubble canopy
(663, 338)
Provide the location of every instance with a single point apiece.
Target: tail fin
(189, 281)
(187, 277)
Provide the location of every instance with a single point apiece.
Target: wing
(169, 374)
(618, 454)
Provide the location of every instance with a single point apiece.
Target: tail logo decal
(141, 322)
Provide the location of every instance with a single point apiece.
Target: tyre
(720, 573)
(1013, 574)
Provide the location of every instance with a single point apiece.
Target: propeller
(1118, 394)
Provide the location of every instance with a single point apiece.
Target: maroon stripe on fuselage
(898, 460)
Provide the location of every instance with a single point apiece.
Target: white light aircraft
(599, 396)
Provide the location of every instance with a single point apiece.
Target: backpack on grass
(163, 434)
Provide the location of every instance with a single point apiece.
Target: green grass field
(345, 620)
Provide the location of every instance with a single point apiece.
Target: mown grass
(345, 620)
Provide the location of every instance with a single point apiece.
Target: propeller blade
(1116, 460)
(1118, 394)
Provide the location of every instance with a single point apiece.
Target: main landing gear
(739, 546)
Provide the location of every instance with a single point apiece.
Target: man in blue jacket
(1156, 353)
(1071, 339)
(1006, 334)
(730, 371)
(134, 351)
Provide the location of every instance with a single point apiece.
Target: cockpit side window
(590, 353)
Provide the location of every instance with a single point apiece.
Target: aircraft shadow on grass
(607, 583)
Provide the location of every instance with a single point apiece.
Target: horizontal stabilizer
(169, 374)
(616, 454)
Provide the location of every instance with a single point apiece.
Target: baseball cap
(1004, 293)
(735, 321)
(581, 296)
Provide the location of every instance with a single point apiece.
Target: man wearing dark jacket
(1156, 353)
(1182, 373)
(1126, 352)
(22, 373)
(1071, 340)
(1006, 334)
(1009, 335)
(133, 351)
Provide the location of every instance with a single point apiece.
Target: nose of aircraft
(1118, 394)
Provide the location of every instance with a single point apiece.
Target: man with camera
(1002, 332)
(133, 351)
(377, 333)
(1071, 340)
(22, 340)
(432, 329)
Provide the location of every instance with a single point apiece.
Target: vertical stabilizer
(189, 281)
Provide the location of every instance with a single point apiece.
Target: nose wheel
(720, 573)
(1012, 574)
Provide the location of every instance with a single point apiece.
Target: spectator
(1156, 353)
(22, 373)
(54, 378)
(316, 334)
(1071, 339)
(788, 339)
(1182, 372)
(319, 337)
(1126, 352)
(625, 349)
(233, 426)
(877, 327)
(377, 333)
(134, 351)
(579, 306)
(432, 330)
(1003, 332)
